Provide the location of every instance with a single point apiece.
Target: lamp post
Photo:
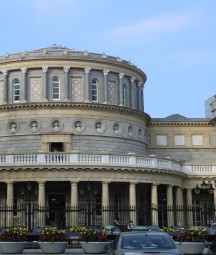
(205, 188)
(29, 194)
(87, 191)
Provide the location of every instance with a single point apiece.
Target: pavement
(72, 251)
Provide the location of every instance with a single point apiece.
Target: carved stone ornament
(79, 125)
(117, 128)
(12, 127)
(130, 131)
(56, 125)
(99, 126)
(33, 126)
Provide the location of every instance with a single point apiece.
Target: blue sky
(172, 41)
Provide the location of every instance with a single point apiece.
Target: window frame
(94, 89)
(57, 82)
(16, 82)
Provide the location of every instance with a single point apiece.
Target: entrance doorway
(56, 211)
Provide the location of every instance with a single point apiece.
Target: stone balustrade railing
(130, 160)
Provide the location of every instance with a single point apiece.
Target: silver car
(143, 243)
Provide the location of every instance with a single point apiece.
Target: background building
(77, 147)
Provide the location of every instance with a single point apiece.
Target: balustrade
(105, 159)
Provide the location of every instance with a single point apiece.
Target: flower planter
(94, 247)
(190, 247)
(12, 247)
(53, 247)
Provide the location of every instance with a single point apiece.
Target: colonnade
(134, 98)
(132, 201)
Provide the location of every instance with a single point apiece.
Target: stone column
(132, 202)
(105, 204)
(87, 70)
(154, 201)
(121, 75)
(74, 205)
(45, 85)
(132, 80)
(170, 209)
(41, 194)
(5, 86)
(23, 98)
(214, 194)
(189, 208)
(66, 83)
(41, 204)
(179, 213)
(140, 96)
(9, 203)
(105, 72)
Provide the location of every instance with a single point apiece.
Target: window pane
(161, 140)
(197, 140)
(179, 140)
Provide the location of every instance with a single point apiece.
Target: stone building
(73, 132)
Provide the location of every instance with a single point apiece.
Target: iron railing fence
(31, 215)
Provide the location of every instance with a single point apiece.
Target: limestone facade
(71, 118)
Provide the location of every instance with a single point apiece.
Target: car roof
(151, 233)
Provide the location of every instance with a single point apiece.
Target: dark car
(146, 228)
(143, 242)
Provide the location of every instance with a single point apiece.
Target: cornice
(68, 105)
(70, 55)
(186, 123)
(83, 168)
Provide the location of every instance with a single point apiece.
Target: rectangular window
(161, 139)
(94, 93)
(197, 140)
(179, 140)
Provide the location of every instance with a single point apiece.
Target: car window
(142, 242)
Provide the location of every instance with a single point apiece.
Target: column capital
(139, 84)
(105, 72)
(133, 183)
(9, 182)
(121, 75)
(45, 69)
(170, 185)
(106, 182)
(41, 182)
(5, 72)
(74, 182)
(66, 69)
(24, 69)
(132, 79)
(87, 70)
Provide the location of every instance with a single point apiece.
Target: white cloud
(159, 24)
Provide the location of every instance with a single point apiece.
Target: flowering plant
(52, 235)
(190, 235)
(13, 234)
(167, 229)
(90, 235)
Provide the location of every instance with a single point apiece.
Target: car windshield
(145, 241)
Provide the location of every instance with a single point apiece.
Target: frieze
(45, 105)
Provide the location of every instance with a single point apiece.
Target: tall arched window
(94, 90)
(55, 88)
(16, 90)
(124, 94)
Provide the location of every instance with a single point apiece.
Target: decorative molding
(45, 69)
(68, 105)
